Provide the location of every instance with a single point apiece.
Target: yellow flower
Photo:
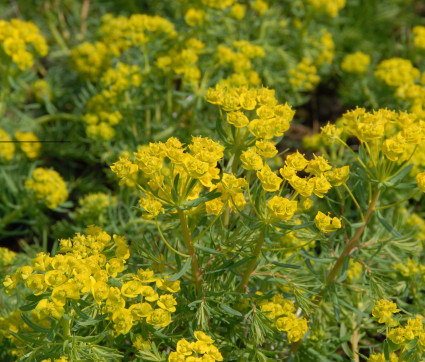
(237, 119)
(159, 317)
(251, 160)
(23, 273)
(152, 206)
(281, 208)
(140, 310)
(270, 181)
(394, 147)
(383, 310)
(201, 336)
(194, 17)
(296, 161)
(321, 185)
(338, 176)
(168, 285)
(131, 289)
(238, 11)
(29, 143)
(167, 302)
(123, 320)
(37, 283)
(420, 179)
(318, 165)
(55, 278)
(48, 186)
(396, 72)
(114, 266)
(214, 207)
(100, 290)
(149, 293)
(184, 347)
(266, 148)
(325, 223)
(355, 63)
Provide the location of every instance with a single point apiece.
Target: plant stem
(352, 243)
(253, 262)
(66, 328)
(59, 116)
(166, 242)
(191, 251)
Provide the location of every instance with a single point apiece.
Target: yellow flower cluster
(328, 7)
(93, 208)
(16, 36)
(7, 148)
(420, 179)
(42, 90)
(419, 36)
(194, 17)
(394, 134)
(61, 359)
(380, 357)
(90, 60)
(7, 257)
(282, 312)
(396, 72)
(410, 268)
(383, 310)
(355, 63)
(120, 33)
(202, 350)
(83, 269)
(272, 119)
(304, 76)
(325, 223)
(48, 186)
(29, 143)
(326, 48)
(218, 4)
(102, 115)
(183, 61)
(321, 178)
(239, 56)
(354, 271)
(179, 179)
(414, 328)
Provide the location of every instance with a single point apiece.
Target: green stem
(54, 117)
(166, 242)
(352, 243)
(4, 89)
(191, 249)
(66, 327)
(398, 202)
(253, 262)
(355, 201)
(211, 224)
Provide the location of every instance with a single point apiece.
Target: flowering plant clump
(203, 349)
(48, 186)
(85, 284)
(212, 181)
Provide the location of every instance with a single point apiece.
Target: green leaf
(208, 197)
(291, 266)
(387, 225)
(230, 310)
(34, 326)
(183, 271)
(207, 250)
(29, 306)
(92, 320)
